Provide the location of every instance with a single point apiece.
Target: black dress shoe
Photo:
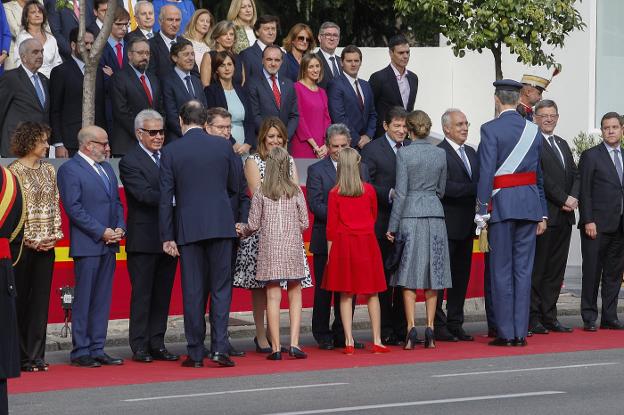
(558, 328)
(222, 359)
(390, 340)
(275, 356)
(297, 353)
(41, 365)
(164, 354)
(261, 349)
(326, 345)
(538, 328)
(520, 341)
(612, 325)
(29, 367)
(499, 341)
(107, 360)
(462, 335)
(142, 356)
(188, 362)
(492, 333)
(444, 335)
(85, 361)
(590, 326)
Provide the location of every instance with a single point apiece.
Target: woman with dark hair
(42, 229)
(298, 42)
(272, 134)
(224, 92)
(223, 37)
(309, 139)
(35, 25)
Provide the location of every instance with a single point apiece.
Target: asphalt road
(562, 383)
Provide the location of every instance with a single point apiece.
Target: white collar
(261, 45)
(453, 143)
(30, 74)
(350, 78)
(81, 64)
(329, 55)
(166, 39)
(396, 71)
(87, 158)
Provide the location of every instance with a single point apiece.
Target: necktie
(462, 154)
(130, 6)
(189, 86)
(335, 69)
(618, 163)
(551, 140)
(146, 89)
(103, 176)
(119, 47)
(156, 158)
(149, 35)
(359, 95)
(276, 92)
(173, 42)
(398, 145)
(77, 9)
(38, 89)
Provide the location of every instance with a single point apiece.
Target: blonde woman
(279, 214)
(222, 39)
(243, 14)
(198, 32)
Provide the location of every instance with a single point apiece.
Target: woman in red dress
(354, 263)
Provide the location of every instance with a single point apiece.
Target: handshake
(242, 230)
(113, 236)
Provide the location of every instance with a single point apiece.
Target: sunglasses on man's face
(153, 133)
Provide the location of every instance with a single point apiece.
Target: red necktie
(276, 92)
(147, 91)
(119, 54)
(359, 95)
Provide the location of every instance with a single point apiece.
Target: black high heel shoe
(275, 356)
(429, 338)
(411, 339)
(297, 353)
(262, 349)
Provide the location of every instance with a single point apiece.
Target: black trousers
(393, 321)
(551, 256)
(151, 276)
(4, 398)
(603, 261)
(487, 291)
(321, 312)
(460, 251)
(33, 281)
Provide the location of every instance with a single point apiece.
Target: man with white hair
(144, 15)
(160, 45)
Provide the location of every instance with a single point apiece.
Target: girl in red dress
(354, 263)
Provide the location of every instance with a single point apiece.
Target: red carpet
(62, 376)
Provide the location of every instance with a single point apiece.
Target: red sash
(515, 179)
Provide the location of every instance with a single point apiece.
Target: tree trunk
(92, 58)
(496, 51)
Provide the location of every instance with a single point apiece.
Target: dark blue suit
(202, 225)
(514, 214)
(175, 94)
(91, 208)
(62, 20)
(344, 107)
(252, 62)
(109, 58)
(321, 179)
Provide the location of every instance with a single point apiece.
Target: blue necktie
(618, 163)
(104, 177)
(189, 86)
(335, 69)
(156, 157)
(38, 89)
(462, 154)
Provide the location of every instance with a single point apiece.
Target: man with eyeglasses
(561, 186)
(133, 89)
(114, 56)
(89, 191)
(462, 176)
(329, 37)
(395, 85)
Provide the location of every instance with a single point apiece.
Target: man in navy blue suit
(200, 229)
(265, 28)
(63, 19)
(88, 189)
(351, 99)
(511, 202)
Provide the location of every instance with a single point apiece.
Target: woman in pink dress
(309, 139)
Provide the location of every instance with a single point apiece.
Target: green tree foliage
(526, 27)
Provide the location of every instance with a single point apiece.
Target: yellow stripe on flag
(62, 254)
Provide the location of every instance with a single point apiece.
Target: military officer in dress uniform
(531, 93)
(511, 203)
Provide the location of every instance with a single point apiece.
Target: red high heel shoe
(349, 350)
(377, 348)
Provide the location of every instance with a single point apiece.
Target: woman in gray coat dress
(418, 218)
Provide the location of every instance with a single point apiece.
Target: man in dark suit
(99, 11)
(395, 85)
(115, 54)
(321, 179)
(351, 100)
(180, 85)
(66, 85)
(510, 200)
(203, 231)
(63, 19)
(329, 37)
(88, 189)
(265, 28)
(273, 95)
(380, 158)
(25, 94)
(561, 186)
(144, 15)
(602, 236)
(151, 270)
(160, 45)
(462, 176)
(133, 90)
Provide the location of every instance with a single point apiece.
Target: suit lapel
(394, 84)
(456, 157)
(148, 164)
(609, 161)
(91, 171)
(553, 154)
(387, 148)
(265, 85)
(411, 78)
(329, 170)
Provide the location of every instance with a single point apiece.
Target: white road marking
(419, 403)
(195, 395)
(531, 369)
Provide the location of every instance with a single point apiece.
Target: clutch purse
(394, 259)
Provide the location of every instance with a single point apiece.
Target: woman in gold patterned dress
(42, 229)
